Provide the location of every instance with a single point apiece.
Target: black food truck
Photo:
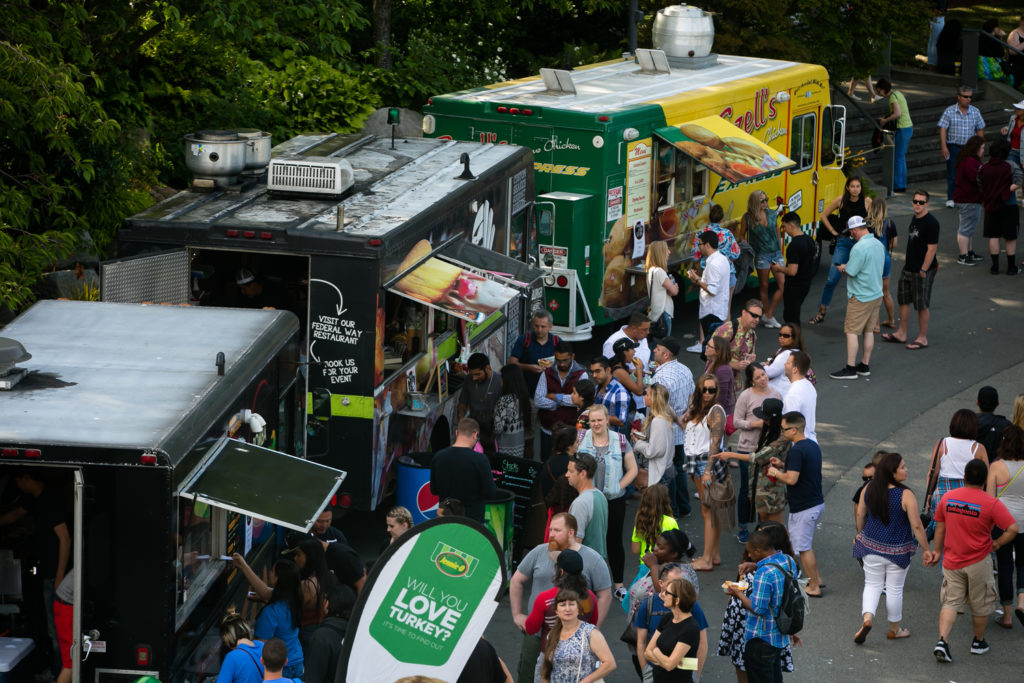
(154, 428)
(399, 257)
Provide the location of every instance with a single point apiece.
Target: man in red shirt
(963, 530)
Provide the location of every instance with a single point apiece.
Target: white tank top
(698, 438)
(959, 452)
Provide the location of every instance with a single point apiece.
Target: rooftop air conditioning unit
(310, 175)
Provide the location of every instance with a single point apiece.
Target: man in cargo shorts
(963, 539)
(864, 284)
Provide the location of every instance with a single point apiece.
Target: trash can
(414, 486)
(498, 518)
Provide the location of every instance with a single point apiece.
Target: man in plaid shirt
(763, 642)
(956, 126)
(610, 392)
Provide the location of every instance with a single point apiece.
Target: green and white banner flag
(425, 604)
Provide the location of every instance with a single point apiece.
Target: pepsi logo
(426, 502)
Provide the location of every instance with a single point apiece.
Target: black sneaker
(1015, 271)
(974, 257)
(994, 270)
(941, 652)
(846, 373)
(863, 370)
(964, 260)
(978, 647)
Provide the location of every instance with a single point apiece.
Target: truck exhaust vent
(310, 175)
(11, 352)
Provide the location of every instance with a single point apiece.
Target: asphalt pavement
(905, 405)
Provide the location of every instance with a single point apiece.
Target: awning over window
(727, 151)
(462, 279)
(259, 482)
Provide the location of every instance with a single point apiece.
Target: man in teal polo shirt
(864, 285)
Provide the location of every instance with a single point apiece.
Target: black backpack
(793, 607)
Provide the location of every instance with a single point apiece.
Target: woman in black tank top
(834, 218)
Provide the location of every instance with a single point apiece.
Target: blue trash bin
(414, 486)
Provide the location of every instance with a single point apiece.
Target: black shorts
(1002, 224)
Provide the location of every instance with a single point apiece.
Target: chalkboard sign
(519, 476)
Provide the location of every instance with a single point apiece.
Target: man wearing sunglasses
(918, 275)
(956, 126)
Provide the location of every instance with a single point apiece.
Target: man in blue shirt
(763, 642)
(534, 351)
(864, 285)
(611, 394)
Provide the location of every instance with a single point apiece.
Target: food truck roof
(619, 85)
(132, 377)
(391, 187)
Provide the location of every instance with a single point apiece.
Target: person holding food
(851, 203)
(714, 288)
(761, 226)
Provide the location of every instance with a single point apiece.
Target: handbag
(730, 428)
(629, 635)
(933, 480)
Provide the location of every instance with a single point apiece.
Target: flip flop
(896, 635)
(1000, 624)
(862, 634)
(916, 346)
(891, 338)
(889, 325)
(701, 569)
(814, 595)
(1020, 615)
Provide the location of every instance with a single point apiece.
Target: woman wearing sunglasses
(675, 642)
(791, 338)
(705, 433)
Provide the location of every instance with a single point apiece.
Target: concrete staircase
(927, 96)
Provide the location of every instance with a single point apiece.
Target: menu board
(518, 476)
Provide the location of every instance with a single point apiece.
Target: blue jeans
(954, 150)
(841, 256)
(762, 661)
(899, 172)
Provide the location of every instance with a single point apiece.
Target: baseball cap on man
(244, 276)
(855, 222)
(671, 344)
(570, 561)
(1019, 105)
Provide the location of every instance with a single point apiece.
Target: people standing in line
(649, 614)
(967, 195)
(628, 369)
(674, 643)
(731, 638)
(741, 336)
(884, 230)
(1006, 484)
(576, 651)
(728, 245)
(1015, 126)
(763, 642)
(678, 379)
(888, 522)
(484, 666)
(798, 269)
(749, 426)
(590, 508)
(323, 648)
(611, 394)
(853, 202)
(636, 329)
(999, 181)
(277, 661)
(801, 472)
(513, 418)
(583, 397)
(661, 287)
(990, 425)
(554, 468)
(461, 472)
(655, 443)
(479, 396)
(653, 517)
(538, 569)
(553, 396)
(761, 225)
(918, 275)
(242, 662)
(398, 521)
(956, 126)
(791, 338)
(951, 456)
(713, 283)
(534, 350)
(769, 494)
(705, 433)
(864, 285)
(802, 397)
(316, 582)
(672, 547)
(281, 616)
(616, 470)
(719, 356)
(964, 520)
(899, 113)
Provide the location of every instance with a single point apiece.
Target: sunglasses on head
(919, 202)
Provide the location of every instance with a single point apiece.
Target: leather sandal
(820, 318)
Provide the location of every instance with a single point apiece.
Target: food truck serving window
(259, 482)
(720, 146)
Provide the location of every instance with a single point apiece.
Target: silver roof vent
(11, 352)
(310, 175)
(222, 158)
(686, 35)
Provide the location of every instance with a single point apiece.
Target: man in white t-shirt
(636, 329)
(714, 288)
(802, 397)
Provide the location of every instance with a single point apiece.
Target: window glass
(803, 141)
(828, 156)
(200, 545)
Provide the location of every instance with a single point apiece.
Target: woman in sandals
(851, 203)
(888, 523)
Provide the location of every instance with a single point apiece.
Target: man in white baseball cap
(864, 270)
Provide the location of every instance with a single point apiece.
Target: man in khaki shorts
(864, 285)
(963, 531)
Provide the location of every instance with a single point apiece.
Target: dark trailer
(154, 426)
(399, 263)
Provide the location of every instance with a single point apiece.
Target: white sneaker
(696, 348)
(771, 323)
(950, 203)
